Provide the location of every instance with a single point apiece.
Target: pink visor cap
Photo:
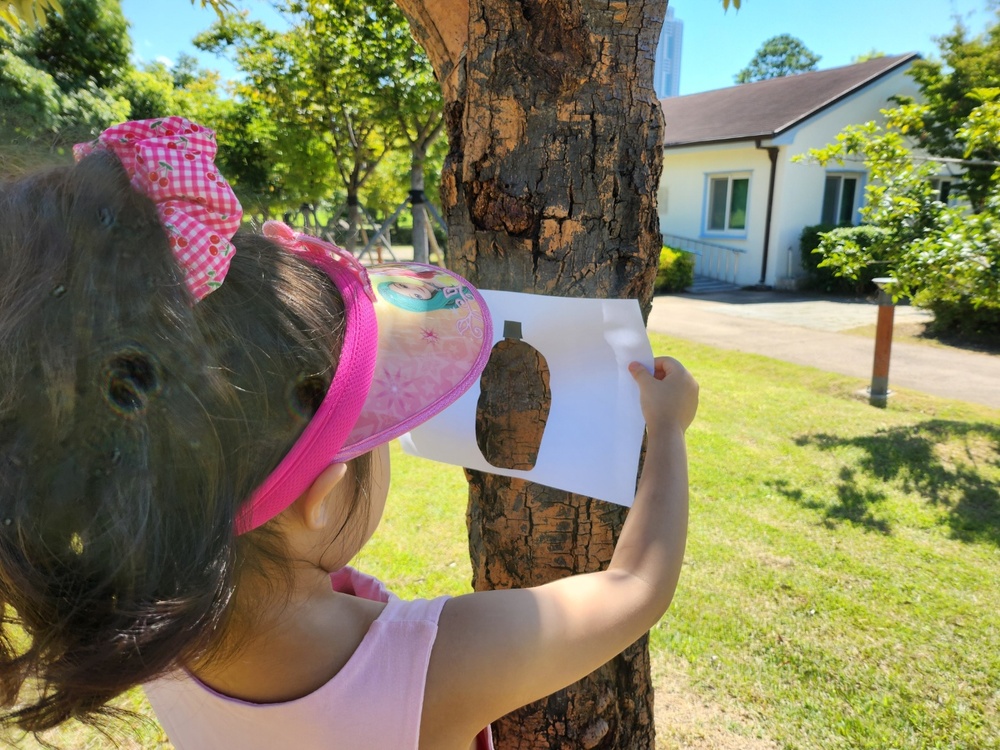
(416, 338)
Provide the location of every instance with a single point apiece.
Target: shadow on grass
(953, 465)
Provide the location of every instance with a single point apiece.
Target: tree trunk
(418, 212)
(353, 222)
(550, 187)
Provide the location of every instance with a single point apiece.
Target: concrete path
(807, 331)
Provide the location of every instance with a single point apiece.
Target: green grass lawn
(840, 588)
(841, 577)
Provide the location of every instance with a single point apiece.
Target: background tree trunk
(417, 209)
(550, 186)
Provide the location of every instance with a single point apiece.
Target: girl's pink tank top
(373, 703)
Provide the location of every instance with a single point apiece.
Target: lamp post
(878, 392)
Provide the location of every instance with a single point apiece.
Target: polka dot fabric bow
(172, 160)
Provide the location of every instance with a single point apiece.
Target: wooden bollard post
(878, 393)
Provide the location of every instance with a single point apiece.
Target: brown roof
(766, 108)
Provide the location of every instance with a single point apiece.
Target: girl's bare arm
(499, 650)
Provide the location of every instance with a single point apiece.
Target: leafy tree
(29, 98)
(185, 70)
(56, 82)
(871, 54)
(967, 63)
(779, 56)
(282, 160)
(342, 86)
(184, 89)
(408, 101)
(149, 91)
(86, 111)
(86, 44)
(342, 68)
(945, 256)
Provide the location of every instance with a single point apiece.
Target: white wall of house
(799, 188)
(684, 200)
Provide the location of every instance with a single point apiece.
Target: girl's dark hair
(132, 425)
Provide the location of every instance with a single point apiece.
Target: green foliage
(29, 98)
(822, 279)
(779, 56)
(871, 54)
(322, 106)
(150, 92)
(86, 111)
(58, 82)
(675, 272)
(185, 89)
(85, 45)
(263, 144)
(327, 102)
(949, 88)
(935, 252)
(861, 250)
(247, 156)
(962, 321)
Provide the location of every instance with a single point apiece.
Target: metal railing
(711, 260)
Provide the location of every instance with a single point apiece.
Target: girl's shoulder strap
(348, 580)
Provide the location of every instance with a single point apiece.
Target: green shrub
(822, 278)
(962, 320)
(816, 277)
(676, 270)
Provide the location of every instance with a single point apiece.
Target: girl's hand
(668, 396)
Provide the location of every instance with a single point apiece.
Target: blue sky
(716, 44)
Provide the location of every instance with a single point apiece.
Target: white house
(729, 190)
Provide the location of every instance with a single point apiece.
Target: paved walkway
(808, 331)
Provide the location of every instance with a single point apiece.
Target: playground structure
(369, 240)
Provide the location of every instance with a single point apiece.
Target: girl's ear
(319, 503)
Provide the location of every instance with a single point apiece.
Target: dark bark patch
(493, 209)
(453, 113)
(556, 43)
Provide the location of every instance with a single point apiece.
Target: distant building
(667, 68)
(731, 192)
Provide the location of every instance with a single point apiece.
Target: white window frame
(727, 229)
(838, 206)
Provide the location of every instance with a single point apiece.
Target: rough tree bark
(550, 187)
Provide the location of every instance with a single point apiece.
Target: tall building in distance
(667, 67)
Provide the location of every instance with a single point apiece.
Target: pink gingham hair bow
(172, 161)
(306, 244)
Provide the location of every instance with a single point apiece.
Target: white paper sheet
(594, 431)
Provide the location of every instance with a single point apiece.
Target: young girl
(192, 441)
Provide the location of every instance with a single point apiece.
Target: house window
(942, 191)
(840, 199)
(727, 202)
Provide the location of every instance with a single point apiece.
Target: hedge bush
(824, 279)
(676, 270)
(962, 320)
